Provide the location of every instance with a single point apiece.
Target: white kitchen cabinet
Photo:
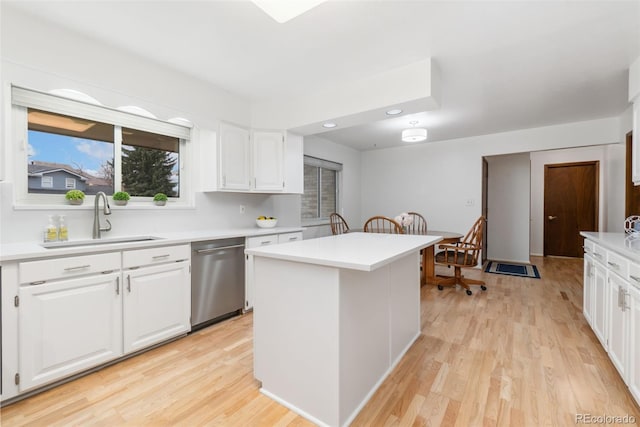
(234, 156)
(617, 322)
(587, 290)
(156, 295)
(633, 371)
(615, 299)
(254, 242)
(67, 326)
(267, 160)
(599, 317)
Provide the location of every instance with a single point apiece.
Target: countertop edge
(623, 244)
(33, 250)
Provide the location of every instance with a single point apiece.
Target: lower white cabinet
(254, 242)
(633, 372)
(156, 304)
(612, 307)
(67, 326)
(617, 322)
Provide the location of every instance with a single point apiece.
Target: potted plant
(120, 198)
(160, 199)
(75, 197)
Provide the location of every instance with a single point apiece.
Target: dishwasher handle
(210, 250)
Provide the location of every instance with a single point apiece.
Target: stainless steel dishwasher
(217, 281)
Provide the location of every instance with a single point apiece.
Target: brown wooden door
(570, 206)
(632, 192)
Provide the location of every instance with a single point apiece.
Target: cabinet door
(253, 242)
(156, 304)
(617, 325)
(234, 158)
(290, 237)
(587, 289)
(600, 295)
(68, 326)
(268, 159)
(633, 355)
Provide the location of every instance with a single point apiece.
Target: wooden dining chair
(382, 224)
(338, 224)
(462, 254)
(419, 224)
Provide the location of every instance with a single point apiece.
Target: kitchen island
(332, 318)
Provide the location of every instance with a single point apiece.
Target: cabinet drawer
(618, 264)
(158, 255)
(257, 241)
(599, 253)
(634, 274)
(59, 268)
(289, 237)
(588, 246)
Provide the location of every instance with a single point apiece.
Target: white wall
(351, 185)
(42, 56)
(508, 199)
(438, 178)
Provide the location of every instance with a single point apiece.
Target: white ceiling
(504, 65)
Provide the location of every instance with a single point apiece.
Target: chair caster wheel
(483, 287)
(469, 292)
(440, 287)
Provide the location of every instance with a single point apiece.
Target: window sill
(315, 222)
(89, 206)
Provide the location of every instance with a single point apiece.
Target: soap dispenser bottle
(63, 231)
(51, 232)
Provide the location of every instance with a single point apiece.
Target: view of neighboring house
(58, 178)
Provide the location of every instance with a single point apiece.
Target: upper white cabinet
(235, 155)
(268, 159)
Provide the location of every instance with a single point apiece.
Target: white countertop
(356, 251)
(34, 250)
(625, 244)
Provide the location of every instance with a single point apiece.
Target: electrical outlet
(469, 202)
(242, 209)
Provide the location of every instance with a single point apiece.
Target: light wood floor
(520, 354)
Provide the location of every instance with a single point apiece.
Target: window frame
(23, 99)
(328, 165)
(49, 180)
(68, 181)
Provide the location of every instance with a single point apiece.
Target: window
(70, 183)
(46, 182)
(321, 189)
(72, 144)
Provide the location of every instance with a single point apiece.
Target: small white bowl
(266, 223)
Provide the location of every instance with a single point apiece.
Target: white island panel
(326, 337)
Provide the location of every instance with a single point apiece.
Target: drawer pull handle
(160, 256)
(129, 283)
(597, 255)
(613, 264)
(80, 267)
(117, 285)
(636, 278)
(265, 242)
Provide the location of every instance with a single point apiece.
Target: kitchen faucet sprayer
(96, 214)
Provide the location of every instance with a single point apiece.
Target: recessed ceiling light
(394, 112)
(329, 125)
(414, 134)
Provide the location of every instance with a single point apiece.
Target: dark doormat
(512, 269)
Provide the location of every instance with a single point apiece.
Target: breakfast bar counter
(332, 317)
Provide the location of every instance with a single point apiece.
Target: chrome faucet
(96, 214)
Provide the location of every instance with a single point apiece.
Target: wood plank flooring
(519, 354)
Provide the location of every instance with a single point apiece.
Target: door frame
(596, 163)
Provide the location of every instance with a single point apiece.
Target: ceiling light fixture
(394, 112)
(282, 10)
(414, 134)
(329, 125)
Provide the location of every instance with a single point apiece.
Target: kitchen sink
(96, 242)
